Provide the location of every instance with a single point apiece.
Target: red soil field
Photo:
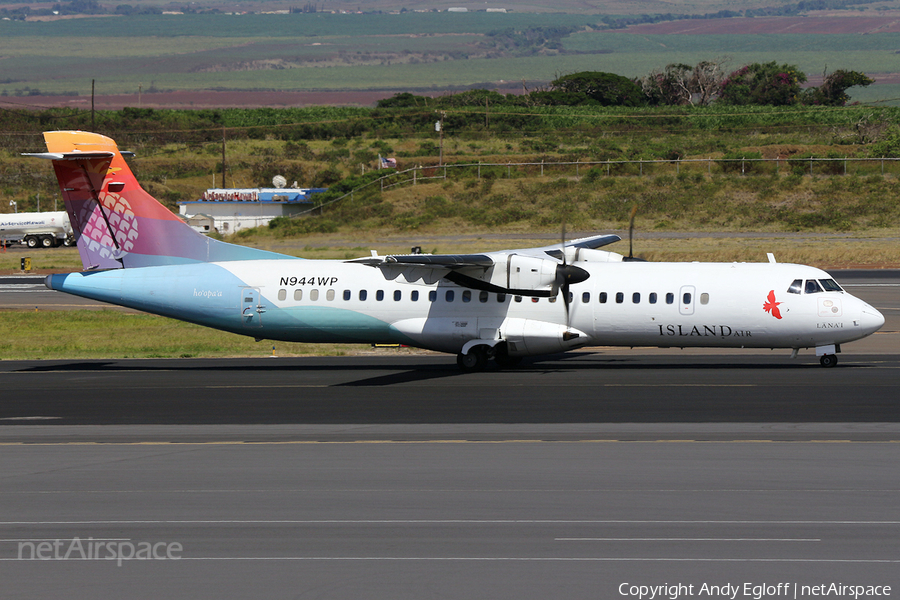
(761, 25)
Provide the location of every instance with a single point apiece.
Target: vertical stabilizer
(117, 224)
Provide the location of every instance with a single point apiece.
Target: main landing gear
(828, 360)
(477, 357)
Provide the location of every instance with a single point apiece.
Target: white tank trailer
(36, 230)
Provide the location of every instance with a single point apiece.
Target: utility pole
(223, 157)
(439, 126)
(92, 106)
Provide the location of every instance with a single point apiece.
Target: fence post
(709, 166)
(542, 167)
(607, 169)
(479, 169)
(445, 171)
(777, 164)
(882, 166)
(508, 174)
(845, 165)
(742, 165)
(678, 166)
(810, 166)
(642, 167)
(415, 170)
(576, 167)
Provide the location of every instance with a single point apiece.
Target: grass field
(88, 334)
(403, 52)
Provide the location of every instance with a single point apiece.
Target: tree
(597, 87)
(680, 84)
(763, 83)
(833, 91)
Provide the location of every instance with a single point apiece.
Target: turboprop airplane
(497, 305)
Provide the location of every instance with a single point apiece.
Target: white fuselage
(623, 304)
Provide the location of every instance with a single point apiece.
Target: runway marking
(494, 559)
(435, 442)
(441, 522)
(93, 539)
(331, 490)
(402, 442)
(687, 539)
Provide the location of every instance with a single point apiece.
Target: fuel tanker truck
(36, 230)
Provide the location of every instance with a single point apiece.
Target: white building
(233, 209)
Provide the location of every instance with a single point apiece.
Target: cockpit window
(796, 287)
(830, 285)
(812, 286)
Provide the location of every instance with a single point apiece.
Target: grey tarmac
(596, 474)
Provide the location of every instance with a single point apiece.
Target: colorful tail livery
(499, 305)
(118, 224)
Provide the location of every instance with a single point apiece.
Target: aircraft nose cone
(870, 319)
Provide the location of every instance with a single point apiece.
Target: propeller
(631, 237)
(566, 275)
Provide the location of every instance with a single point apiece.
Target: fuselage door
(251, 311)
(686, 300)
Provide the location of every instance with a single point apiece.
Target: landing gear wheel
(828, 360)
(46, 241)
(475, 360)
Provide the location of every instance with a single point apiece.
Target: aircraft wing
(527, 272)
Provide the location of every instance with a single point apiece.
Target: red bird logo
(771, 307)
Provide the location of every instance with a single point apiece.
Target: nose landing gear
(828, 360)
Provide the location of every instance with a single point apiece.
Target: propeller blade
(631, 232)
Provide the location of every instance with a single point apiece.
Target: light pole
(14, 205)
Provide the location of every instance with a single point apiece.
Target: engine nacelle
(591, 255)
(531, 273)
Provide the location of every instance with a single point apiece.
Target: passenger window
(535, 299)
(298, 295)
(414, 295)
(552, 299)
(602, 297)
(670, 298)
(282, 295)
(313, 295)
(620, 297)
(397, 295)
(467, 296)
(483, 297)
(517, 298)
(796, 287)
(449, 296)
(363, 294)
(704, 298)
(432, 296)
(636, 298)
(329, 295)
(830, 285)
(586, 297)
(379, 295)
(571, 297)
(686, 298)
(346, 295)
(501, 298)
(652, 298)
(812, 286)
